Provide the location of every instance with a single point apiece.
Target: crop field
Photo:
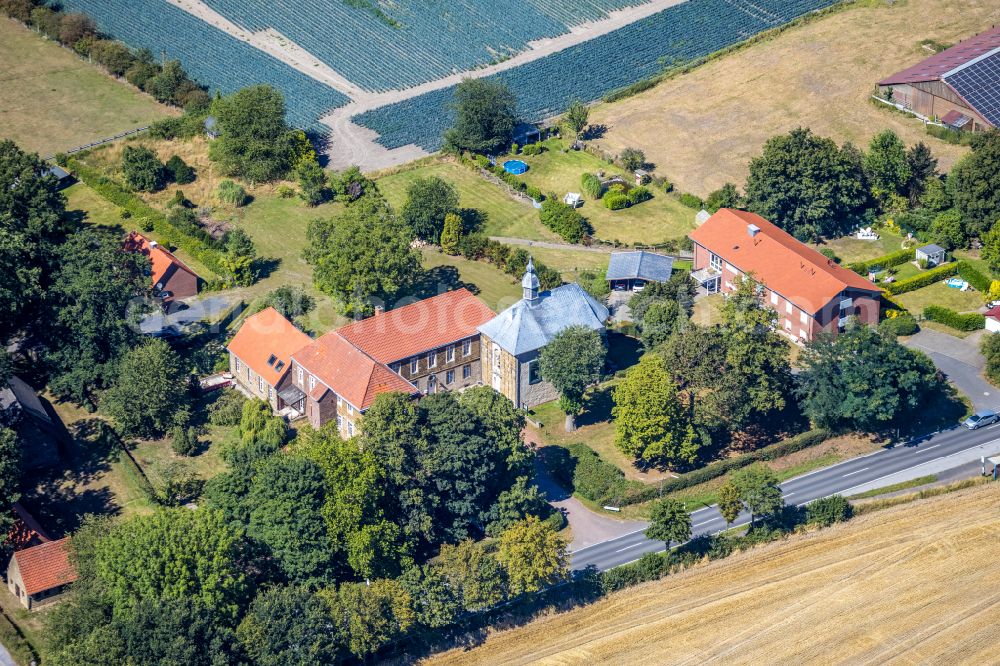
(81, 104)
(919, 583)
(713, 120)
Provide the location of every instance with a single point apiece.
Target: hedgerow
(972, 321)
(971, 274)
(923, 280)
(885, 261)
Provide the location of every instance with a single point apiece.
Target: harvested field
(51, 100)
(913, 584)
(702, 128)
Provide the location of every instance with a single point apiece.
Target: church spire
(530, 284)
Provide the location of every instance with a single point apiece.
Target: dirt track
(914, 584)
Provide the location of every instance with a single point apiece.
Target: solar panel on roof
(979, 84)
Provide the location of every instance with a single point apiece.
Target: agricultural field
(919, 582)
(713, 120)
(81, 103)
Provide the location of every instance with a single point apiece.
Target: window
(774, 298)
(803, 334)
(534, 376)
(788, 307)
(449, 355)
(414, 364)
(803, 317)
(237, 365)
(249, 374)
(350, 428)
(788, 325)
(340, 422)
(312, 382)
(467, 348)
(715, 261)
(280, 365)
(339, 401)
(260, 384)
(432, 360)
(350, 408)
(271, 360)
(449, 377)
(300, 376)
(466, 371)
(270, 393)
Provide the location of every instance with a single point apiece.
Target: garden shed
(933, 254)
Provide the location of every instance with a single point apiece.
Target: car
(980, 419)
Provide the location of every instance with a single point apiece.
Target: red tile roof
(45, 566)
(348, 371)
(164, 264)
(781, 263)
(936, 66)
(419, 327)
(264, 335)
(993, 312)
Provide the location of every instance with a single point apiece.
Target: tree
(255, 143)
(806, 185)
(451, 234)
(726, 196)
(533, 556)
(886, 166)
(168, 84)
(290, 625)
(729, 502)
(516, 503)
(974, 184)
(97, 295)
(428, 203)
(650, 423)
(10, 482)
(475, 574)
(990, 347)
(113, 56)
(564, 220)
(503, 423)
(862, 380)
(436, 603)
(695, 356)
(239, 260)
(577, 116)
(179, 171)
(312, 182)
(758, 490)
(149, 394)
(370, 615)
(75, 26)
(143, 171)
(923, 169)
(232, 193)
(948, 231)
(172, 554)
(363, 256)
(659, 322)
(485, 115)
(632, 159)
(290, 300)
(572, 362)
(669, 521)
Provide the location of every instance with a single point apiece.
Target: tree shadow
(439, 280)
(473, 220)
(597, 406)
(265, 266)
(623, 351)
(596, 131)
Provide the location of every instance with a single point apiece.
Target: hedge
(169, 234)
(885, 261)
(972, 321)
(971, 274)
(923, 280)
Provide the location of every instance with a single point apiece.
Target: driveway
(186, 313)
(961, 361)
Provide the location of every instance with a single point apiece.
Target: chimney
(379, 309)
(153, 243)
(753, 230)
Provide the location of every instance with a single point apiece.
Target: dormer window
(280, 365)
(271, 359)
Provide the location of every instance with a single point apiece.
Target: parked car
(980, 419)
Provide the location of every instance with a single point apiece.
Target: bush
(901, 324)
(592, 186)
(829, 510)
(533, 149)
(534, 193)
(232, 193)
(142, 170)
(227, 410)
(285, 191)
(639, 194)
(632, 159)
(184, 441)
(599, 481)
(691, 201)
(830, 254)
(885, 261)
(615, 200)
(972, 321)
(180, 172)
(922, 280)
(564, 220)
(971, 274)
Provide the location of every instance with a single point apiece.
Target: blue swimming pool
(516, 167)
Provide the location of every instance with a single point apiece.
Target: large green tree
(370, 615)
(669, 521)
(485, 116)
(807, 185)
(923, 170)
(974, 184)
(533, 555)
(758, 490)
(862, 380)
(428, 202)
(651, 425)
(255, 142)
(886, 166)
(290, 626)
(571, 362)
(10, 482)
(362, 256)
(577, 117)
(150, 393)
(96, 298)
(143, 171)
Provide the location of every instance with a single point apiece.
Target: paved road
(927, 455)
(5, 658)
(961, 360)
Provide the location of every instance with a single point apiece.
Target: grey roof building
(630, 269)
(933, 254)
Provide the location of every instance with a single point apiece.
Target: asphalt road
(927, 455)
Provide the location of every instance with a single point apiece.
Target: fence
(101, 142)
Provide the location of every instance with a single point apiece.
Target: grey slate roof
(640, 264)
(931, 249)
(525, 326)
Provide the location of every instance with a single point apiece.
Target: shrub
(924, 279)
(639, 194)
(564, 220)
(972, 321)
(885, 261)
(616, 200)
(830, 254)
(483, 162)
(592, 186)
(691, 201)
(829, 510)
(534, 193)
(971, 274)
(901, 324)
(599, 481)
(184, 441)
(227, 410)
(632, 159)
(232, 193)
(533, 149)
(285, 191)
(142, 170)
(180, 172)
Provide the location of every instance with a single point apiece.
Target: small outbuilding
(993, 319)
(63, 177)
(701, 217)
(526, 133)
(39, 575)
(572, 199)
(211, 127)
(631, 271)
(933, 254)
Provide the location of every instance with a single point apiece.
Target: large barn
(959, 87)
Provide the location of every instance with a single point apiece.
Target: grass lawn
(505, 216)
(495, 288)
(941, 294)
(570, 262)
(849, 249)
(51, 100)
(708, 310)
(653, 221)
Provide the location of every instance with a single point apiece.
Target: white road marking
(928, 448)
(856, 471)
(641, 543)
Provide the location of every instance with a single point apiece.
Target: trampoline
(516, 167)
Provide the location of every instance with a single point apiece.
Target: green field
(495, 288)
(943, 295)
(849, 249)
(51, 100)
